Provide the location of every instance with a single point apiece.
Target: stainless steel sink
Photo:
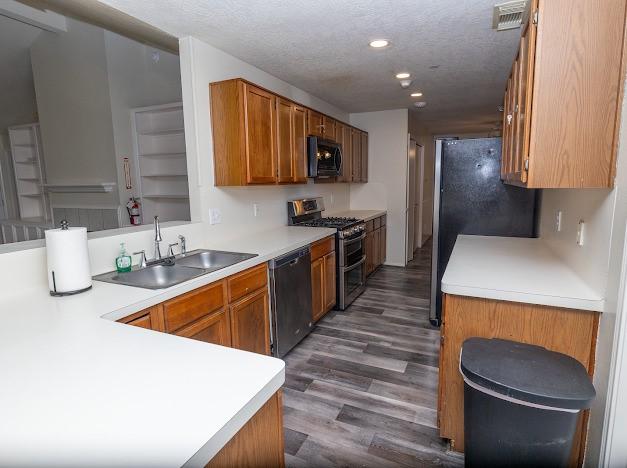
(212, 260)
(175, 270)
(153, 276)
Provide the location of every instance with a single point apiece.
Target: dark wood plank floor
(361, 390)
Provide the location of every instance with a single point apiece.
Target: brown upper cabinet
(291, 142)
(343, 137)
(260, 137)
(562, 102)
(315, 125)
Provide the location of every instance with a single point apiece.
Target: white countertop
(78, 388)
(518, 270)
(366, 215)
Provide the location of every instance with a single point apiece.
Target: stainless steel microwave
(325, 157)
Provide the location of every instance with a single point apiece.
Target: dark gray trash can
(521, 403)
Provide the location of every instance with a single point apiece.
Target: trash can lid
(526, 372)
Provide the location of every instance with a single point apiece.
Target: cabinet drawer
(191, 306)
(322, 247)
(369, 225)
(384, 220)
(247, 281)
(377, 223)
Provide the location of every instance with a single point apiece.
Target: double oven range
(349, 245)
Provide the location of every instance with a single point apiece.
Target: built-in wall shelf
(105, 187)
(167, 197)
(27, 154)
(163, 155)
(159, 145)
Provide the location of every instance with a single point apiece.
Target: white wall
(70, 75)
(387, 175)
(136, 80)
(598, 261)
(427, 140)
(202, 64)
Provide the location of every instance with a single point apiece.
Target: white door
(411, 200)
(419, 202)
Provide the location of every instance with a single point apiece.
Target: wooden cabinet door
(524, 89)
(376, 248)
(151, 318)
(383, 245)
(260, 135)
(343, 136)
(317, 288)
(285, 144)
(328, 127)
(299, 138)
(250, 323)
(356, 155)
(214, 328)
(364, 156)
(507, 130)
(314, 123)
(329, 282)
(369, 250)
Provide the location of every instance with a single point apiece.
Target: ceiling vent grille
(508, 15)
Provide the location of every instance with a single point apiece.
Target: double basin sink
(174, 270)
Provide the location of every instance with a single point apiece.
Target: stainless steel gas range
(349, 245)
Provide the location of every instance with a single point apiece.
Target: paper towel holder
(64, 227)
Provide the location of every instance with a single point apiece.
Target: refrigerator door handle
(433, 312)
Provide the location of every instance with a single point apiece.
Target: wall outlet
(256, 210)
(558, 221)
(215, 216)
(581, 230)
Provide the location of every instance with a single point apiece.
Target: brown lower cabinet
(375, 240)
(568, 331)
(323, 277)
(258, 443)
(230, 312)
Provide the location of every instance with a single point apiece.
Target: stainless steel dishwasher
(290, 284)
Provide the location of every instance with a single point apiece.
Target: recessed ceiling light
(379, 43)
(416, 94)
(403, 75)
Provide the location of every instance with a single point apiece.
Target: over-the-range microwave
(325, 157)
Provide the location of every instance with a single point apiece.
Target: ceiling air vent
(508, 15)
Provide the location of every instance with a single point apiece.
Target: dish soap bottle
(124, 261)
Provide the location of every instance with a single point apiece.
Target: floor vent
(508, 15)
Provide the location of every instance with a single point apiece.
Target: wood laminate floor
(361, 389)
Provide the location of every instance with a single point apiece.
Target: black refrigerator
(470, 198)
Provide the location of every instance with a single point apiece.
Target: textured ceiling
(321, 46)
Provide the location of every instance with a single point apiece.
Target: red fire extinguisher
(134, 211)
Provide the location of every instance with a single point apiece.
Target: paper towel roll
(69, 271)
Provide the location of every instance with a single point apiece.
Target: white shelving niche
(27, 155)
(159, 145)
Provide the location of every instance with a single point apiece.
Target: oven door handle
(356, 239)
(354, 265)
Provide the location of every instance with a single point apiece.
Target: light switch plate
(581, 231)
(215, 216)
(558, 221)
(256, 210)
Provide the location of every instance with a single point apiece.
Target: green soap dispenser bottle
(123, 262)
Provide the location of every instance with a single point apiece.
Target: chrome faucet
(158, 239)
